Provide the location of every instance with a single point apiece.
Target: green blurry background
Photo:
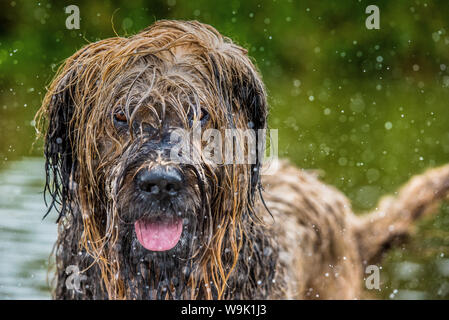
(367, 107)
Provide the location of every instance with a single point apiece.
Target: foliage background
(367, 107)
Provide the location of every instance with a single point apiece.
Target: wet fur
(308, 244)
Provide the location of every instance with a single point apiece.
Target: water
(25, 239)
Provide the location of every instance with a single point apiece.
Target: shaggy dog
(139, 225)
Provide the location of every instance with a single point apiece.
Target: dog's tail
(394, 216)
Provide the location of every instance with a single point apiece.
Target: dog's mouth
(160, 234)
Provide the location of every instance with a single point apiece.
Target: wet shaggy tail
(394, 216)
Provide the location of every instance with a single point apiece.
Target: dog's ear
(232, 69)
(57, 111)
(248, 88)
(241, 87)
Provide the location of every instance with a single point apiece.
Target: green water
(25, 240)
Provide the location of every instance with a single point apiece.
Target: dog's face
(115, 112)
(162, 202)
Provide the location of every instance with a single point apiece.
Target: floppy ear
(241, 86)
(249, 89)
(60, 161)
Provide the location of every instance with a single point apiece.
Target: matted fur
(308, 245)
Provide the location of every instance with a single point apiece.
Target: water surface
(25, 239)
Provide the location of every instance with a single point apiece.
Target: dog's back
(323, 246)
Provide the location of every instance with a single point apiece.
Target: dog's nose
(160, 181)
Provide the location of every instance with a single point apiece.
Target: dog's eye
(120, 117)
(204, 117)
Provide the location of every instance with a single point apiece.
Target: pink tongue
(158, 235)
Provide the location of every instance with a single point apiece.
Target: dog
(139, 225)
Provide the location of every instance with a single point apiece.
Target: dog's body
(139, 225)
(323, 247)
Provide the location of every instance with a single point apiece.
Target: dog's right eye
(120, 117)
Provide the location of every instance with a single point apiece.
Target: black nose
(160, 181)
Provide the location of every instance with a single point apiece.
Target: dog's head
(121, 144)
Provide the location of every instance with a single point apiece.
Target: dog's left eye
(120, 117)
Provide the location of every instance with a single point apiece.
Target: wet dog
(139, 225)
